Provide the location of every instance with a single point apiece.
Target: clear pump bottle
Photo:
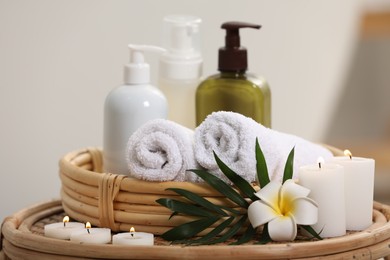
(234, 89)
(181, 67)
(129, 106)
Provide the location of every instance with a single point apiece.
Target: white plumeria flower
(283, 207)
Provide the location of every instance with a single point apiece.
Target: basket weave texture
(120, 202)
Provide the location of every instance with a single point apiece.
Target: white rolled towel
(233, 137)
(162, 150)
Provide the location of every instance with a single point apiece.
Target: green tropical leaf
(184, 208)
(312, 232)
(189, 229)
(215, 232)
(236, 179)
(199, 200)
(265, 238)
(289, 167)
(261, 166)
(233, 211)
(231, 232)
(222, 187)
(246, 237)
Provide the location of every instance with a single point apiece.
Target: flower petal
(292, 190)
(260, 213)
(282, 229)
(305, 211)
(269, 194)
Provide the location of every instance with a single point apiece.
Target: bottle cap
(181, 39)
(233, 57)
(138, 71)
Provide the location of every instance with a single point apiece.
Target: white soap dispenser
(129, 106)
(181, 66)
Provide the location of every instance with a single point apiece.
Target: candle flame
(65, 220)
(132, 231)
(348, 153)
(320, 161)
(88, 226)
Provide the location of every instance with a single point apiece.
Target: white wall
(59, 59)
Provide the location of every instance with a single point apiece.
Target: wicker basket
(22, 238)
(119, 202)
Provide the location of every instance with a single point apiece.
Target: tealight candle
(90, 235)
(326, 184)
(133, 238)
(359, 189)
(62, 230)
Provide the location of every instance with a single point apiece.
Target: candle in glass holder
(133, 238)
(326, 184)
(62, 230)
(359, 189)
(90, 235)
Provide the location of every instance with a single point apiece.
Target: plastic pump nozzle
(138, 71)
(233, 57)
(181, 38)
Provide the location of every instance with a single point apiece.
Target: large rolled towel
(162, 150)
(233, 137)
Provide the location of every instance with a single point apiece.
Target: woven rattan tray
(22, 238)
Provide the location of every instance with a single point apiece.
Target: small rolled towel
(161, 150)
(233, 137)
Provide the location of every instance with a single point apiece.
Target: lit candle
(359, 189)
(326, 182)
(133, 238)
(62, 230)
(90, 235)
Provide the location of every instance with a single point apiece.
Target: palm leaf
(184, 208)
(189, 229)
(236, 179)
(265, 238)
(312, 231)
(261, 166)
(246, 237)
(231, 232)
(199, 200)
(215, 232)
(289, 167)
(222, 187)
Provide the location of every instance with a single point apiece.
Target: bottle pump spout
(233, 57)
(138, 71)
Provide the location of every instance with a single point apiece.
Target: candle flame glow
(132, 231)
(348, 153)
(320, 161)
(65, 220)
(88, 226)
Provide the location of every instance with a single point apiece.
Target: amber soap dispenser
(234, 89)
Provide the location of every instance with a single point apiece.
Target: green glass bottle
(233, 89)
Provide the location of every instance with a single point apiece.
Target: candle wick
(64, 223)
(88, 231)
(319, 165)
(132, 235)
(350, 156)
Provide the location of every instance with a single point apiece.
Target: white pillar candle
(62, 230)
(90, 235)
(326, 184)
(359, 190)
(133, 238)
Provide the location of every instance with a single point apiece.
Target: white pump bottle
(181, 67)
(129, 106)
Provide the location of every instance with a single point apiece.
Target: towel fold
(162, 150)
(233, 136)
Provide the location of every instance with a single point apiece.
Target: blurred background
(327, 63)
